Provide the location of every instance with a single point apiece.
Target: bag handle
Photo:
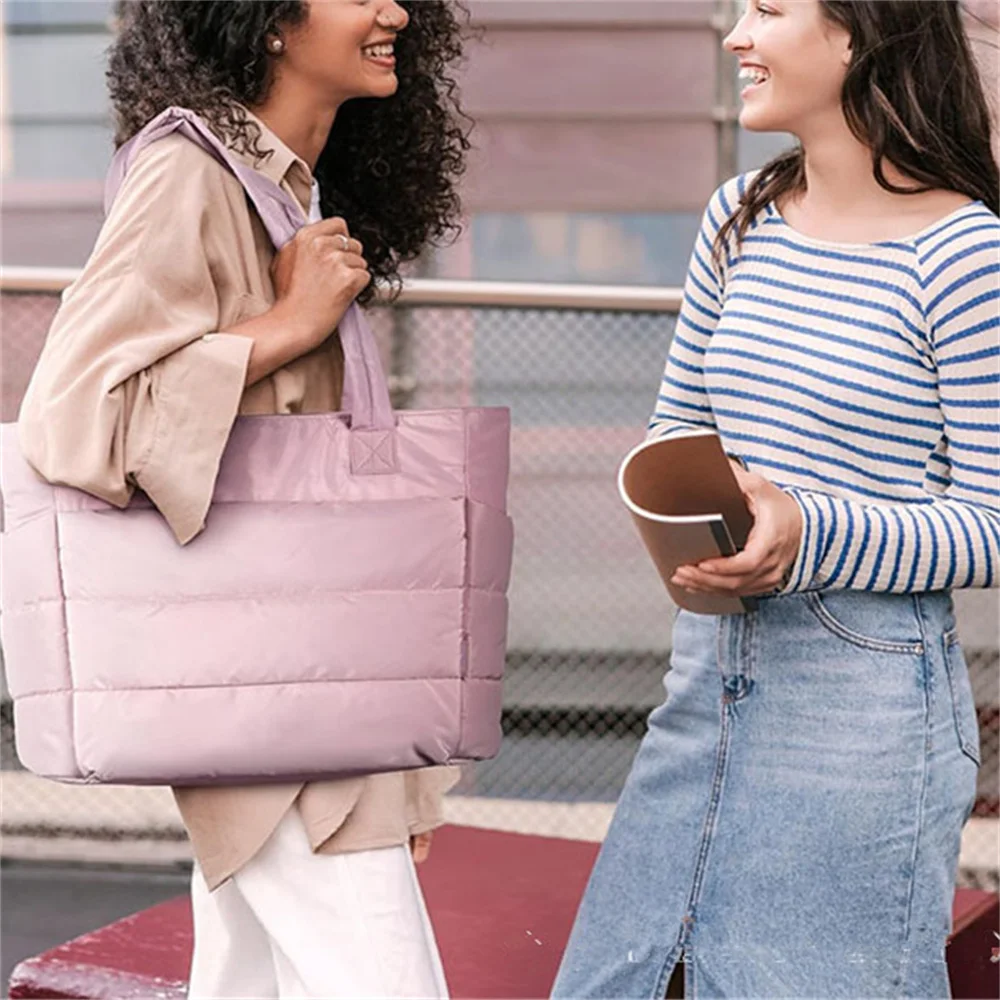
(366, 391)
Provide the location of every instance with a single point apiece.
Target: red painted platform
(502, 906)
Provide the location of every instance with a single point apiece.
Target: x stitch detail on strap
(373, 452)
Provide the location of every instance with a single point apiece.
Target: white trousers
(292, 923)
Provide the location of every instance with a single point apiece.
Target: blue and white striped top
(861, 379)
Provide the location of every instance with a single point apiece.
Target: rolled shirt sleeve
(136, 385)
(186, 442)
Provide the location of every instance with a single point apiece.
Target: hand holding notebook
(688, 507)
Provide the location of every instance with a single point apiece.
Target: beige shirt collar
(283, 164)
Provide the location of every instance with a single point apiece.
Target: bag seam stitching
(249, 596)
(453, 678)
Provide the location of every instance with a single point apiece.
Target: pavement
(44, 905)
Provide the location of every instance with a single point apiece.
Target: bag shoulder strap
(280, 213)
(366, 391)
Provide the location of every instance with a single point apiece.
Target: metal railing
(435, 292)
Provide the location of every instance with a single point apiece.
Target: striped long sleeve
(951, 536)
(861, 379)
(683, 404)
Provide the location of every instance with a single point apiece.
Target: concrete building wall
(599, 107)
(597, 126)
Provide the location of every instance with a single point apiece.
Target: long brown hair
(912, 94)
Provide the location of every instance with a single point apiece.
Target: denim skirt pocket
(962, 701)
(889, 625)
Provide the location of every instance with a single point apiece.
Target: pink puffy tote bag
(344, 611)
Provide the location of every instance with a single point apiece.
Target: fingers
(341, 251)
(348, 259)
(758, 553)
(324, 246)
(755, 570)
(771, 547)
(359, 281)
(760, 550)
(751, 583)
(330, 231)
(748, 572)
(337, 244)
(733, 573)
(327, 247)
(745, 586)
(335, 226)
(420, 846)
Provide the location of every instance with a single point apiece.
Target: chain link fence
(590, 622)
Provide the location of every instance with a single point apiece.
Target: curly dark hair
(913, 94)
(391, 165)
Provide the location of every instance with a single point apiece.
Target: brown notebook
(687, 506)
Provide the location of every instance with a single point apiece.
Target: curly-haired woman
(184, 317)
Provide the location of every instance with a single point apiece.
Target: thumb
(749, 485)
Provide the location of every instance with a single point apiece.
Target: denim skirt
(792, 821)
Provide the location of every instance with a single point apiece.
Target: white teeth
(754, 74)
(379, 51)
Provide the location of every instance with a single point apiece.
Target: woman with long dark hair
(791, 825)
(184, 317)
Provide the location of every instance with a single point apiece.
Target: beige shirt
(137, 387)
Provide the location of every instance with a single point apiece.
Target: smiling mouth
(757, 76)
(383, 53)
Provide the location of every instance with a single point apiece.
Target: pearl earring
(276, 45)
